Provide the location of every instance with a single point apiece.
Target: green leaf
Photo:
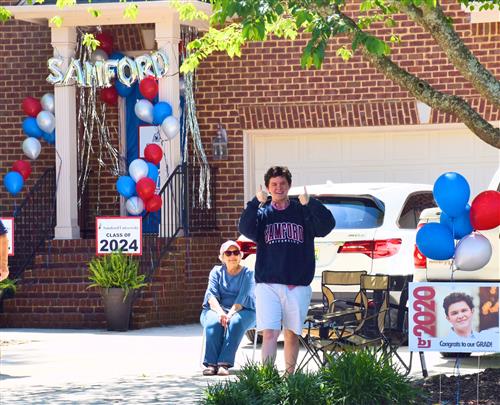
(94, 12)
(376, 46)
(131, 11)
(5, 14)
(90, 41)
(56, 21)
(344, 53)
(366, 5)
(65, 3)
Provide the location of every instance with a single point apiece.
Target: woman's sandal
(210, 370)
(223, 370)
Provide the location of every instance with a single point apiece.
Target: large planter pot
(117, 309)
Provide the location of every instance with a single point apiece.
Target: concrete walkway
(148, 366)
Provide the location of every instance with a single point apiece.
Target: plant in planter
(7, 287)
(118, 277)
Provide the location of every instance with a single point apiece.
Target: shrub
(116, 271)
(365, 377)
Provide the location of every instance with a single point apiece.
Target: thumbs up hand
(261, 195)
(304, 198)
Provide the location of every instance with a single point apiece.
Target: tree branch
(433, 20)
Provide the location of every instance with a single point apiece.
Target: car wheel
(250, 333)
(448, 355)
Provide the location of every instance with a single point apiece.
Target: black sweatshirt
(285, 239)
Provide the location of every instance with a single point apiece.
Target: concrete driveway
(156, 365)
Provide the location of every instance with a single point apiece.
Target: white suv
(375, 228)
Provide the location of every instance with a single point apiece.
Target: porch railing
(179, 216)
(34, 219)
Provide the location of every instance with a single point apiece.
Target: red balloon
(485, 210)
(154, 203)
(145, 188)
(153, 153)
(23, 168)
(109, 95)
(106, 42)
(148, 87)
(31, 106)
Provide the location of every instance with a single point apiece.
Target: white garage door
(396, 154)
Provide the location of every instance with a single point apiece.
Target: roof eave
(110, 14)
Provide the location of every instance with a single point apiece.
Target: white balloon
(134, 205)
(46, 121)
(473, 252)
(170, 127)
(138, 169)
(32, 148)
(99, 55)
(48, 102)
(144, 110)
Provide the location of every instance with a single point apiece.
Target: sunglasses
(232, 252)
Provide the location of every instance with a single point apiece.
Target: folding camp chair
(324, 332)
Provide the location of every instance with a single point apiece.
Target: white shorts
(279, 306)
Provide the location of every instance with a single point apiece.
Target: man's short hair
(278, 171)
(455, 297)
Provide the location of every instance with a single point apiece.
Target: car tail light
(375, 249)
(247, 248)
(419, 260)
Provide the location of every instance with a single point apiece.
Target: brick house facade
(265, 89)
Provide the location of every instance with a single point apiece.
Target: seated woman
(228, 309)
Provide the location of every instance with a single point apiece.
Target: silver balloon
(32, 148)
(473, 252)
(134, 205)
(56, 75)
(99, 55)
(160, 63)
(46, 121)
(74, 74)
(48, 103)
(144, 110)
(170, 127)
(127, 71)
(144, 65)
(109, 71)
(138, 169)
(93, 74)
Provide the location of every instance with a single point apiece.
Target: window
(355, 212)
(413, 207)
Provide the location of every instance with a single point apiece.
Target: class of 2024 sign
(119, 233)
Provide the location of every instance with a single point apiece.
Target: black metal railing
(179, 215)
(34, 219)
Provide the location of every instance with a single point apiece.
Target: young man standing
(284, 231)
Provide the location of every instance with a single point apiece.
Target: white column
(64, 44)
(167, 36)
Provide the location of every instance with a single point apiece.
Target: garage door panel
(323, 148)
(366, 148)
(407, 146)
(364, 175)
(402, 174)
(451, 147)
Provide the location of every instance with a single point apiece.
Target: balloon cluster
(139, 186)
(40, 124)
(460, 221)
(159, 114)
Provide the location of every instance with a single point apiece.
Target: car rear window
(355, 212)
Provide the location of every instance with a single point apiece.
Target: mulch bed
(462, 389)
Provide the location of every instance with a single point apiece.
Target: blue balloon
(116, 55)
(122, 90)
(31, 128)
(161, 110)
(451, 192)
(126, 186)
(459, 226)
(13, 182)
(152, 171)
(435, 241)
(50, 138)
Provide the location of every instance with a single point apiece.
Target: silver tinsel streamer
(191, 126)
(92, 121)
